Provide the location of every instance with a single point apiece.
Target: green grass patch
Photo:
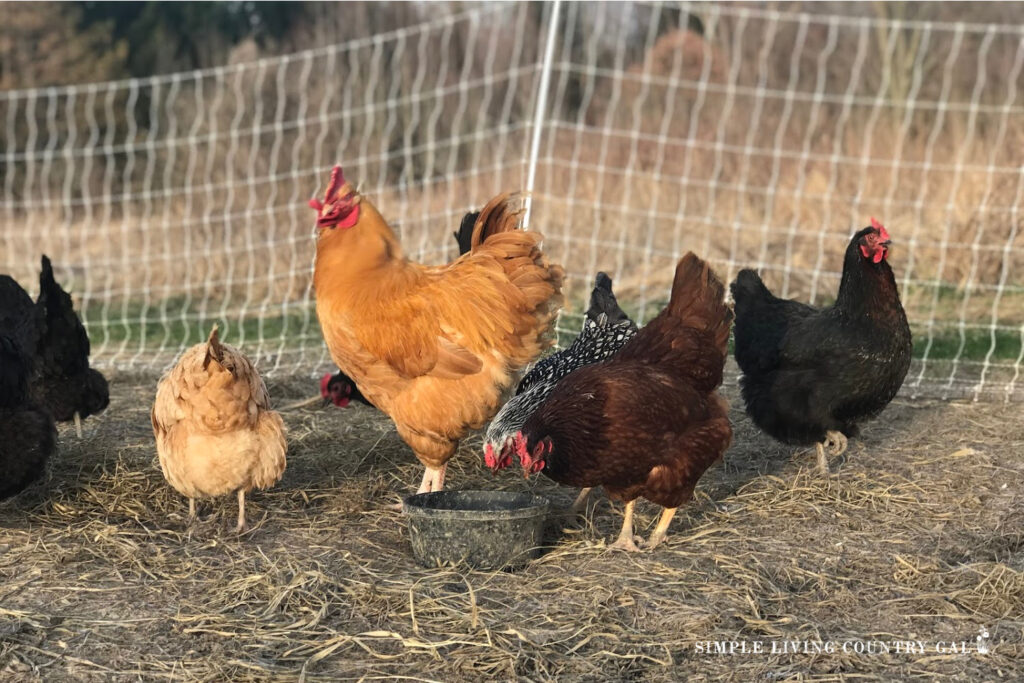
(143, 327)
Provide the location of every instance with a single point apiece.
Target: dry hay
(917, 536)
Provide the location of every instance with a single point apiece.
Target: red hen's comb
(324, 381)
(882, 232)
(337, 180)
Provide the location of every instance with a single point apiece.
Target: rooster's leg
(241, 512)
(625, 540)
(836, 442)
(191, 519)
(425, 482)
(822, 460)
(580, 504)
(660, 531)
(433, 479)
(438, 481)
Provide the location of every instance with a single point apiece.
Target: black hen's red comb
(337, 180)
(882, 232)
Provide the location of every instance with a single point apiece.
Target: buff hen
(215, 431)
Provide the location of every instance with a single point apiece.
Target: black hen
(27, 434)
(606, 329)
(63, 382)
(810, 375)
(50, 334)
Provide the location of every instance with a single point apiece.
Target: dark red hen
(648, 421)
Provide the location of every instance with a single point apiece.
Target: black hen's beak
(327, 402)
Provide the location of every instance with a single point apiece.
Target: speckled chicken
(606, 329)
(215, 431)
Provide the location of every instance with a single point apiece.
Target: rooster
(811, 375)
(648, 421)
(215, 432)
(339, 388)
(433, 347)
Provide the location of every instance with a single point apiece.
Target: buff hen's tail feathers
(214, 350)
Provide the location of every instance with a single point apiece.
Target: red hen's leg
(625, 540)
(660, 531)
(580, 504)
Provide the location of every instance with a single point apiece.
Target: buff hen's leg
(242, 526)
(626, 541)
(191, 519)
(660, 531)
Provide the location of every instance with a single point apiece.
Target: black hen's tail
(690, 336)
(464, 235)
(602, 300)
(748, 291)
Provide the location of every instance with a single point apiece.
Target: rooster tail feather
(602, 300)
(464, 235)
(501, 214)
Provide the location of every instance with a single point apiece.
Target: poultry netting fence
(753, 136)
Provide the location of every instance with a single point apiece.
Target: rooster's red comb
(324, 381)
(337, 180)
(882, 232)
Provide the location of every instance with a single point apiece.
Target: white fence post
(542, 105)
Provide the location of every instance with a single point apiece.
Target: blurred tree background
(51, 43)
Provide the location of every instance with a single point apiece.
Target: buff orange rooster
(215, 431)
(433, 347)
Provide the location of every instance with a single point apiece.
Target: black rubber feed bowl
(483, 529)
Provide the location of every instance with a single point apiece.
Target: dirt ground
(917, 537)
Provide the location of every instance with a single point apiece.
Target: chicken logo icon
(982, 640)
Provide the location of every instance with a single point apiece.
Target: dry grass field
(917, 536)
